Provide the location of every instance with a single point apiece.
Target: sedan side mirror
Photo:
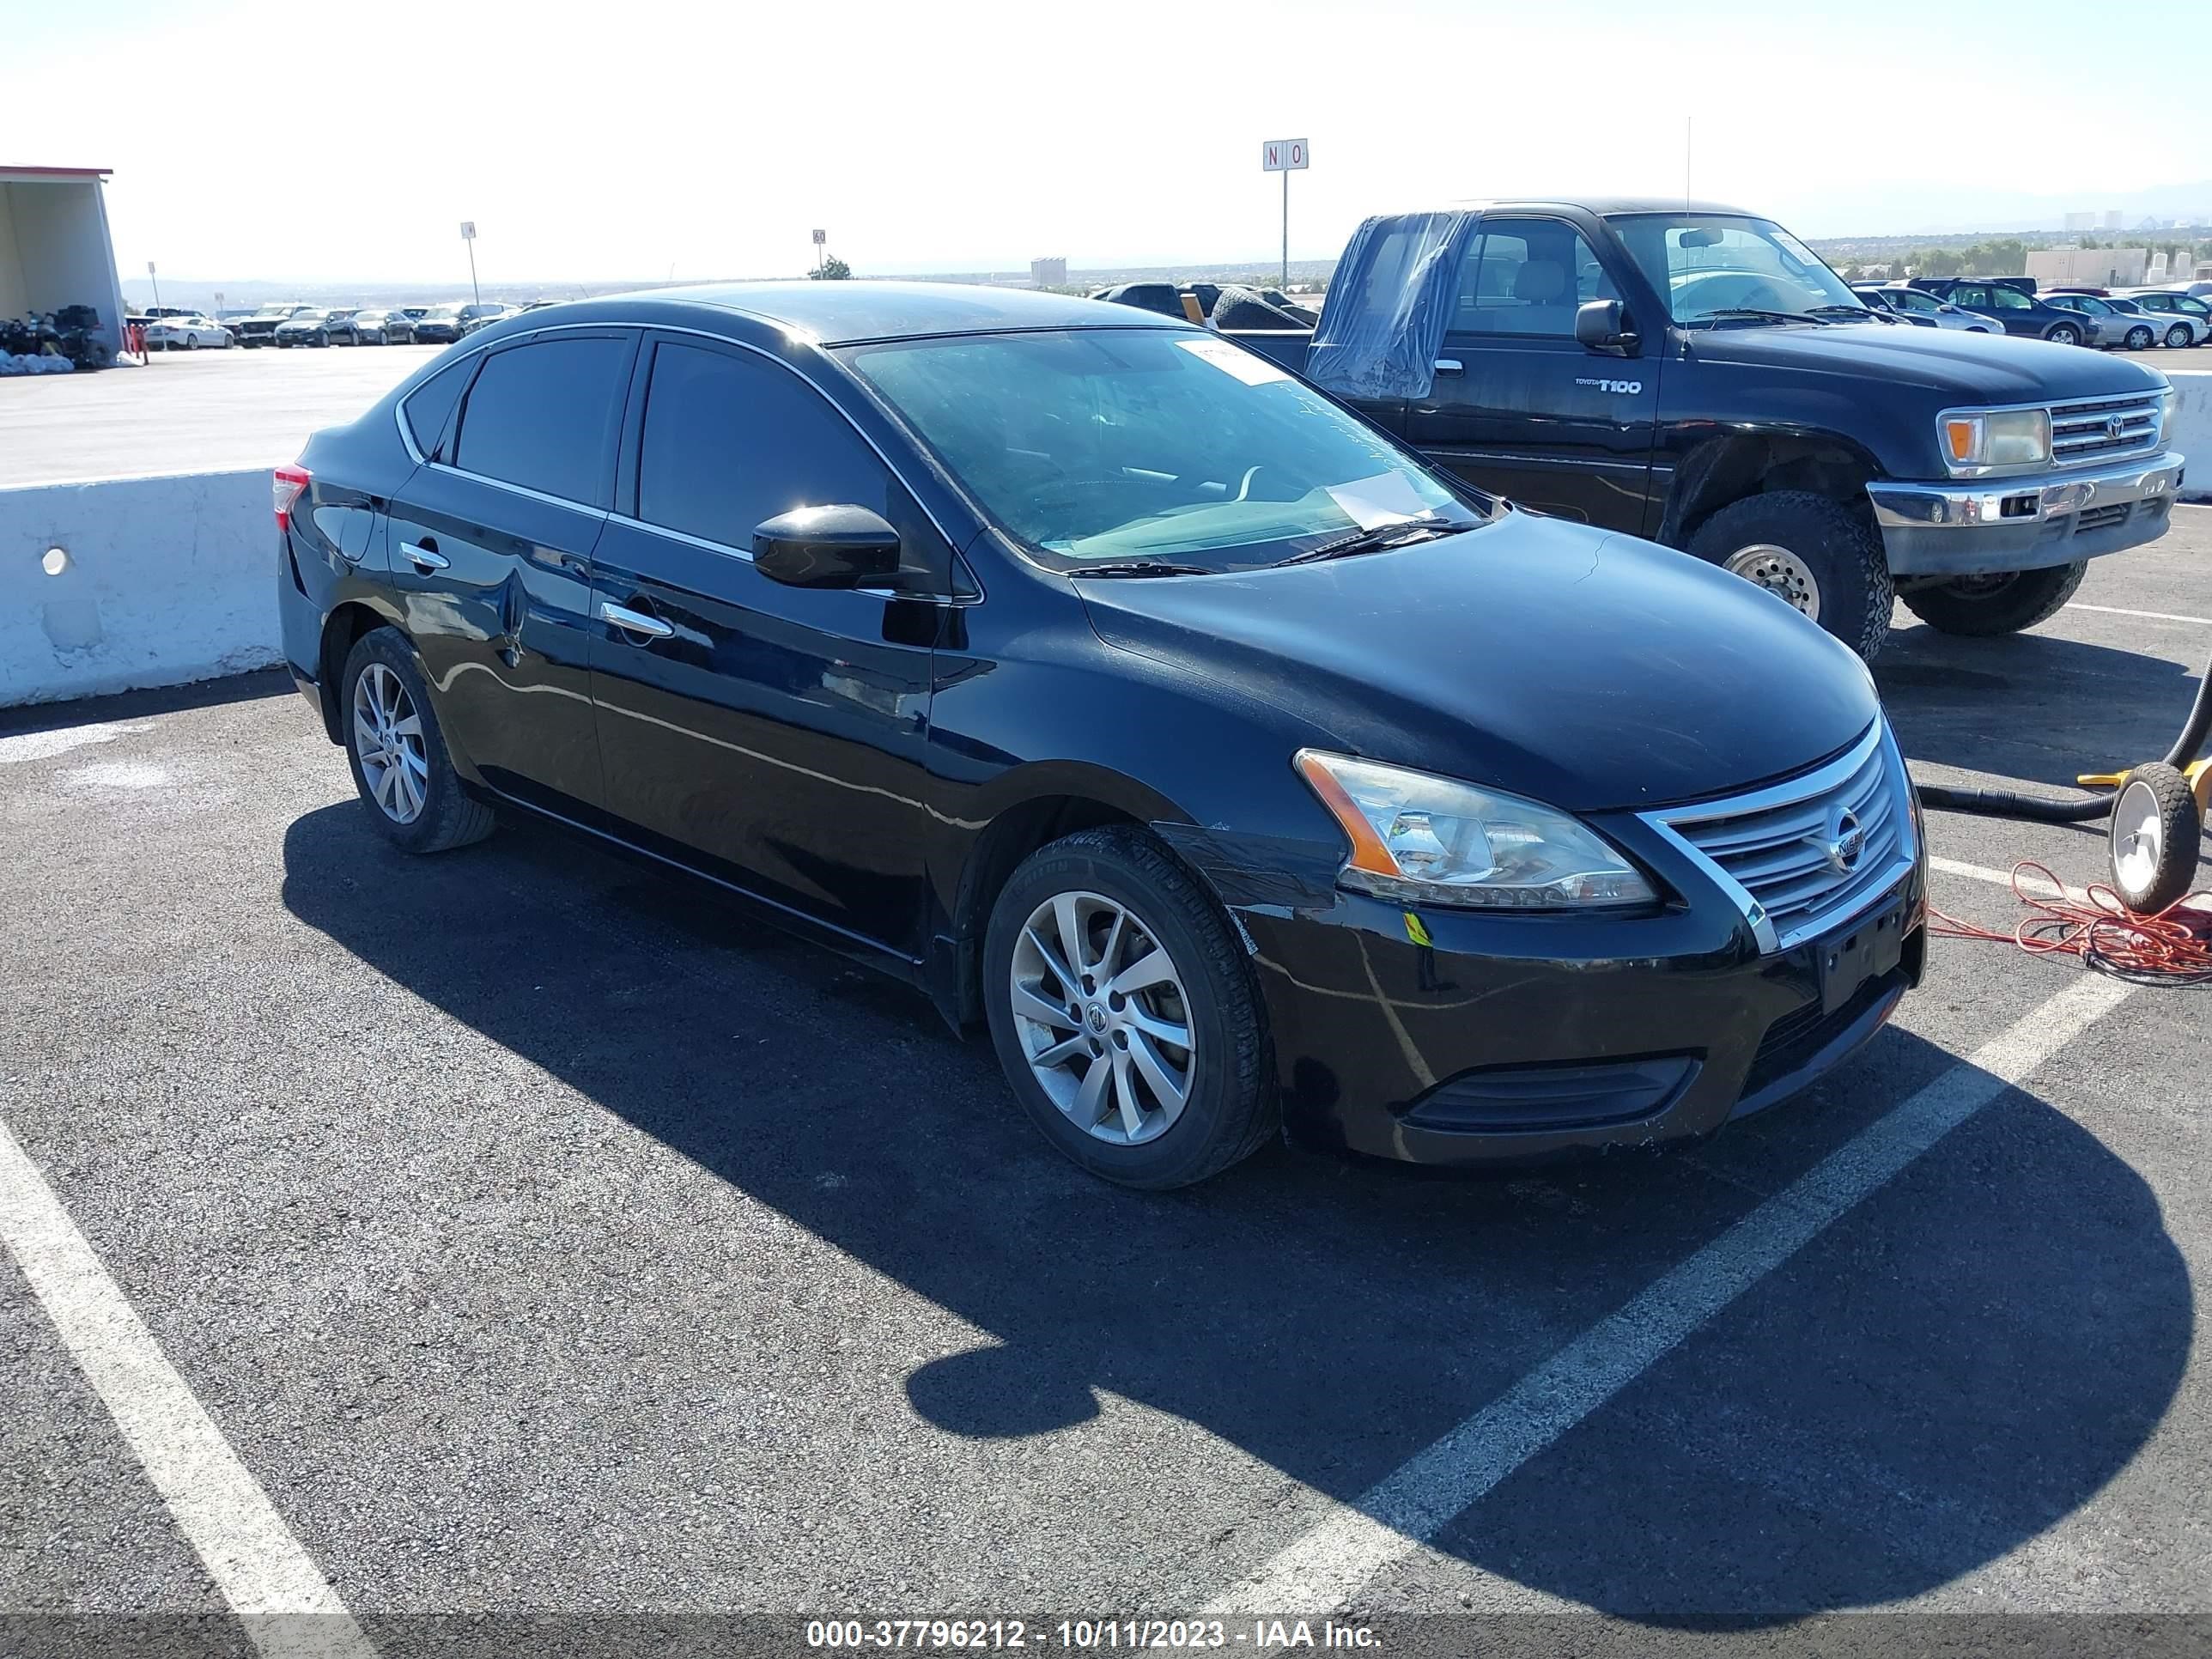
(1603, 325)
(844, 546)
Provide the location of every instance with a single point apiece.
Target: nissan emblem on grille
(1846, 840)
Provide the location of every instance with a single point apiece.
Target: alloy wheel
(1781, 573)
(1103, 1018)
(387, 740)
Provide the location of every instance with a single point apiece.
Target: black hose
(2041, 809)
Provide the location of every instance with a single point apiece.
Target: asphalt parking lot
(190, 412)
(541, 1240)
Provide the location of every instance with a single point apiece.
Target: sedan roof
(842, 312)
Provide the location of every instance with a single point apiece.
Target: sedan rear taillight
(289, 484)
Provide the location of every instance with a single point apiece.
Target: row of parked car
(294, 324)
(2131, 319)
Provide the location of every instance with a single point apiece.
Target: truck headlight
(2004, 437)
(1435, 840)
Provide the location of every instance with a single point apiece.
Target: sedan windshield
(1715, 267)
(1110, 445)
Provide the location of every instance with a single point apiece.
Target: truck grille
(1777, 847)
(2103, 428)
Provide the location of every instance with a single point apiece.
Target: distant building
(2112, 219)
(2088, 267)
(2081, 221)
(1049, 273)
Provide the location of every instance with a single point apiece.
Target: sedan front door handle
(635, 621)
(424, 559)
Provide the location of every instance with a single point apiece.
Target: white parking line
(287, 1608)
(2148, 615)
(2003, 878)
(1410, 1507)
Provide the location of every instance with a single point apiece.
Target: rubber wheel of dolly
(1231, 1109)
(2160, 794)
(1976, 608)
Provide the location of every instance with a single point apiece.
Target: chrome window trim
(1809, 786)
(407, 438)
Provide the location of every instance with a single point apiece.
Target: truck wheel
(2063, 334)
(1812, 553)
(1980, 607)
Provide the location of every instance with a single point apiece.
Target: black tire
(191, 342)
(1231, 1109)
(449, 816)
(2062, 334)
(2177, 338)
(2139, 339)
(1839, 546)
(1982, 607)
(2158, 791)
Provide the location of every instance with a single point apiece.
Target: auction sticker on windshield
(1234, 359)
(1386, 498)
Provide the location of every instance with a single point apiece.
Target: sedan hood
(1590, 671)
(1967, 368)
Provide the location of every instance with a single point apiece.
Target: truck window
(2009, 299)
(1526, 276)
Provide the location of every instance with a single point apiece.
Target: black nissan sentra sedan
(1130, 697)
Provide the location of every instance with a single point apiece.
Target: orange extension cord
(2174, 947)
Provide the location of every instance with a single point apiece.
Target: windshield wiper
(1423, 528)
(1771, 316)
(1138, 567)
(1863, 313)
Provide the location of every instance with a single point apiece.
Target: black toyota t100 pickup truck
(1695, 374)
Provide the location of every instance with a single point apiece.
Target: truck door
(1518, 407)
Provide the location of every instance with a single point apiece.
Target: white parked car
(187, 333)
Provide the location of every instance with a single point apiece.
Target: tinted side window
(2009, 299)
(546, 416)
(1526, 276)
(730, 440)
(429, 409)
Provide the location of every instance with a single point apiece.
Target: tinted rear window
(545, 416)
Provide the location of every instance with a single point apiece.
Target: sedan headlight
(2004, 437)
(1435, 840)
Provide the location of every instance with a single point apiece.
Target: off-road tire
(1971, 607)
(1232, 1107)
(450, 817)
(1838, 544)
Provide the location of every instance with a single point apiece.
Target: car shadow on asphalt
(1962, 1362)
(2029, 706)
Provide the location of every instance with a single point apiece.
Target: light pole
(468, 236)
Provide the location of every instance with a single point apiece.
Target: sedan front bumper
(1983, 527)
(1455, 1037)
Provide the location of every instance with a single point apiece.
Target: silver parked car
(2171, 309)
(1918, 306)
(2113, 326)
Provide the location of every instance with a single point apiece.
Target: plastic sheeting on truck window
(1384, 316)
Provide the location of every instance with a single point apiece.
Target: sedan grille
(1810, 852)
(2101, 429)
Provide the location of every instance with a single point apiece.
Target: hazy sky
(310, 141)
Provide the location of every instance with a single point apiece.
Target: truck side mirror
(1603, 325)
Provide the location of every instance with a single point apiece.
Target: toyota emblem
(1846, 841)
(2115, 428)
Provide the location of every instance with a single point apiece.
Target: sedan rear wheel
(397, 752)
(1124, 1012)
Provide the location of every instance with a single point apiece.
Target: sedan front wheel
(1125, 1013)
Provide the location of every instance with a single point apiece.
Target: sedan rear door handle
(635, 621)
(424, 559)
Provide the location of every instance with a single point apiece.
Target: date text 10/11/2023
(1082, 1635)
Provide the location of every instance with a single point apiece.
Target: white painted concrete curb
(167, 580)
(2188, 427)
